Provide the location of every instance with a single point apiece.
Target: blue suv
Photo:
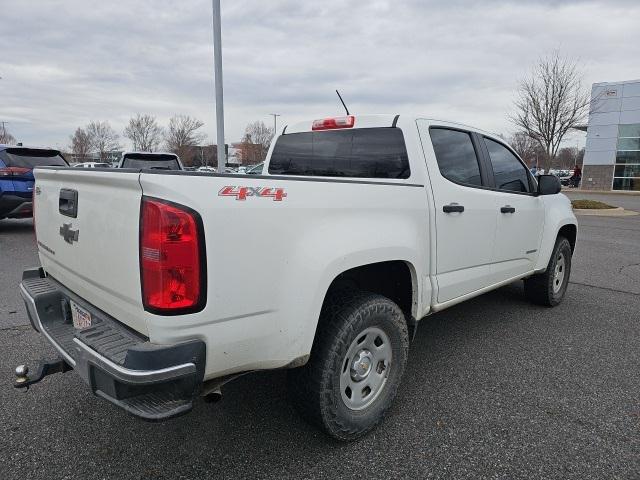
(16, 177)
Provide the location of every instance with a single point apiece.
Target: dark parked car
(155, 160)
(16, 177)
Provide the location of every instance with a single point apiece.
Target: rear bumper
(14, 206)
(154, 382)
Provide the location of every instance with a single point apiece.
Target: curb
(631, 193)
(605, 212)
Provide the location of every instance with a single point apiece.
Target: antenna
(343, 104)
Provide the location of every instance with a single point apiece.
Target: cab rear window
(361, 153)
(32, 157)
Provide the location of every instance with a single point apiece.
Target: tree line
(144, 132)
(182, 136)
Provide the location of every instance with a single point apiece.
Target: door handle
(453, 207)
(508, 209)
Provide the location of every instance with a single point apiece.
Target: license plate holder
(80, 316)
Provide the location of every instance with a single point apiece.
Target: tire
(549, 288)
(361, 343)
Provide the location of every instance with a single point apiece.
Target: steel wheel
(365, 368)
(558, 273)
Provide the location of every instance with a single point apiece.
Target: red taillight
(33, 208)
(171, 258)
(13, 171)
(333, 123)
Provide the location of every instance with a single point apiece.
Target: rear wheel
(549, 288)
(355, 367)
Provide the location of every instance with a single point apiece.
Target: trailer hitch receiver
(44, 368)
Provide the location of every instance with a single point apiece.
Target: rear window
(363, 153)
(140, 160)
(32, 157)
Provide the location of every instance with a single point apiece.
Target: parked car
(92, 165)
(365, 224)
(16, 177)
(151, 160)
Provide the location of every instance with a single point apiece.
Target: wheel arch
(570, 232)
(394, 279)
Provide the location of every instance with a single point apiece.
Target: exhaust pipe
(213, 397)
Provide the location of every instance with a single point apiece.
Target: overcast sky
(65, 63)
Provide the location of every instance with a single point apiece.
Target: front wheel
(355, 366)
(549, 288)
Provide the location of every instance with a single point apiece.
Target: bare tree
(144, 132)
(255, 142)
(80, 144)
(183, 133)
(103, 138)
(550, 102)
(5, 137)
(525, 146)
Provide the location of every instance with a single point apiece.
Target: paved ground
(494, 388)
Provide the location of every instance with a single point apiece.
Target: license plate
(81, 318)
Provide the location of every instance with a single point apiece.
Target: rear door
(520, 212)
(465, 210)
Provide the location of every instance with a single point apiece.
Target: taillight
(13, 171)
(33, 208)
(172, 258)
(333, 123)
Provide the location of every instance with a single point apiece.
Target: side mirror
(548, 185)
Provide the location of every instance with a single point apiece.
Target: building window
(626, 174)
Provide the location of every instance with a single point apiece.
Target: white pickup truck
(157, 287)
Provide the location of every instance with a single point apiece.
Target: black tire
(545, 288)
(315, 389)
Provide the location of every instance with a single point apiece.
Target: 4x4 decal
(241, 193)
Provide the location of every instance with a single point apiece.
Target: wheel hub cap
(362, 365)
(365, 368)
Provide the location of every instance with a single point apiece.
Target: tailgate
(95, 254)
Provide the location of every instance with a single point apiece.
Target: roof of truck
(380, 120)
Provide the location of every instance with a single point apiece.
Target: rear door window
(31, 157)
(361, 152)
(509, 173)
(456, 156)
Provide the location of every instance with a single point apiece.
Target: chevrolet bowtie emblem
(69, 235)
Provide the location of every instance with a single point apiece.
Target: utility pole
(275, 122)
(217, 60)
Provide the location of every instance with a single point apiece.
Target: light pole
(275, 121)
(217, 60)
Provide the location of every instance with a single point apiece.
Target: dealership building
(612, 152)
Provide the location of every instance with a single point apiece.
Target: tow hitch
(44, 368)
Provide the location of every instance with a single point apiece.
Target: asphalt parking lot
(494, 388)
